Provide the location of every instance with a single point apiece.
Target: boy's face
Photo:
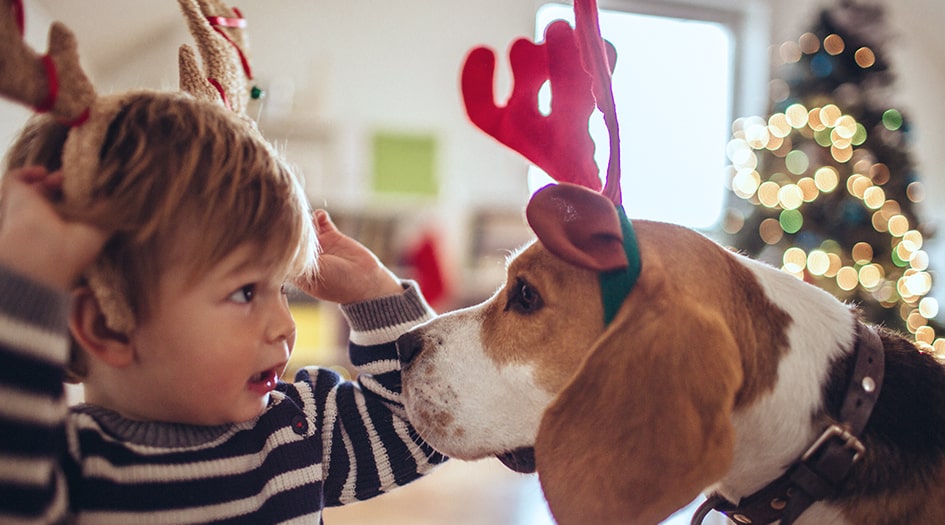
(212, 348)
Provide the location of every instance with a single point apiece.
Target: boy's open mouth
(264, 381)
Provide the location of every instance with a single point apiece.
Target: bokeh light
(898, 225)
(833, 44)
(808, 189)
(829, 114)
(768, 194)
(797, 162)
(862, 252)
(809, 43)
(790, 52)
(928, 307)
(826, 178)
(796, 115)
(818, 262)
(790, 197)
(770, 231)
(879, 173)
(847, 278)
(915, 192)
(871, 276)
(892, 119)
(791, 221)
(874, 197)
(794, 260)
(776, 164)
(864, 57)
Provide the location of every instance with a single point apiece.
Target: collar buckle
(836, 431)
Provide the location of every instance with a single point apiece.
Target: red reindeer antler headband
(572, 219)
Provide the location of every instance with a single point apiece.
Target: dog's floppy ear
(644, 425)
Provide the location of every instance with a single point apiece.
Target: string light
(801, 183)
(845, 175)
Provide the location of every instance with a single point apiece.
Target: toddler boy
(172, 288)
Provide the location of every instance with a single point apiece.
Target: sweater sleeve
(34, 347)
(370, 447)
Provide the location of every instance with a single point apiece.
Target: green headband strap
(616, 285)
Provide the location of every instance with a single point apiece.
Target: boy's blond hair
(171, 164)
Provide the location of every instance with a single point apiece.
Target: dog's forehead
(539, 266)
(523, 256)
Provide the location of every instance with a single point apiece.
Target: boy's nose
(282, 325)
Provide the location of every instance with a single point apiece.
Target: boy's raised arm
(365, 418)
(35, 240)
(40, 256)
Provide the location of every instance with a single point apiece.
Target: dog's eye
(523, 297)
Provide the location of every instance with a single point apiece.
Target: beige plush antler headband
(55, 83)
(223, 45)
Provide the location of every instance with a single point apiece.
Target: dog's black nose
(408, 346)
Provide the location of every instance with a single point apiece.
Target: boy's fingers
(52, 186)
(47, 184)
(29, 174)
(53, 180)
(323, 222)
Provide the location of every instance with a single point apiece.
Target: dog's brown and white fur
(717, 373)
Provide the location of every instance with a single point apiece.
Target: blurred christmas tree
(829, 178)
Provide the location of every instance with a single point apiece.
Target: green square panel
(404, 164)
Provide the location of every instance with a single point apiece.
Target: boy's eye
(244, 295)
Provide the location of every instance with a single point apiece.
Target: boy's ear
(87, 324)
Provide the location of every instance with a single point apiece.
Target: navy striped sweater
(322, 441)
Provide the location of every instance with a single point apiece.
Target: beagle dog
(719, 374)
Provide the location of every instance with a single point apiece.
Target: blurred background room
(808, 133)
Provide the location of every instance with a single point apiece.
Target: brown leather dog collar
(821, 470)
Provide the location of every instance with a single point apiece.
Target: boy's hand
(347, 271)
(35, 241)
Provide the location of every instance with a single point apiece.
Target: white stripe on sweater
(31, 408)
(384, 472)
(31, 471)
(383, 335)
(205, 513)
(28, 340)
(141, 471)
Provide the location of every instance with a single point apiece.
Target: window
(674, 86)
